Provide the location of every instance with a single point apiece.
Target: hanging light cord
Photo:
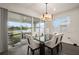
(46, 8)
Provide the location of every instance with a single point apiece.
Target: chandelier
(46, 16)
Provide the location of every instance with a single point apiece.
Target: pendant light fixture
(46, 16)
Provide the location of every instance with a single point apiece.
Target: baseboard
(71, 44)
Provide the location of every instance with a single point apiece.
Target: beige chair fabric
(31, 42)
(53, 42)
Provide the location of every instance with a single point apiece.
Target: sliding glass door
(18, 27)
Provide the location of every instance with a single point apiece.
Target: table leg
(42, 49)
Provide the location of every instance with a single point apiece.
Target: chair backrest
(46, 36)
(30, 40)
(50, 36)
(56, 39)
(60, 37)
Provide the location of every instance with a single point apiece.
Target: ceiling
(40, 8)
(36, 9)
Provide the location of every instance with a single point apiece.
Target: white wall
(73, 30)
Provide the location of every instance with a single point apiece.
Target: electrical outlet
(75, 44)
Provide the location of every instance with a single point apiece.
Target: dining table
(42, 40)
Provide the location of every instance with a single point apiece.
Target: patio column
(32, 27)
(3, 29)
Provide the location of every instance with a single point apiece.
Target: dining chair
(48, 37)
(51, 44)
(60, 40)
(60, 36)
(32, 44)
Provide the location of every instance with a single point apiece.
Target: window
(61, 24)
(21, 25)
(18, 26)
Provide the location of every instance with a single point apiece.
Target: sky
(18, 24)
(11, 23)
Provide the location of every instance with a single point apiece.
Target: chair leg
(51, 51)
(61, 46)
(28, 50)
(57, 49)
(32, 51)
